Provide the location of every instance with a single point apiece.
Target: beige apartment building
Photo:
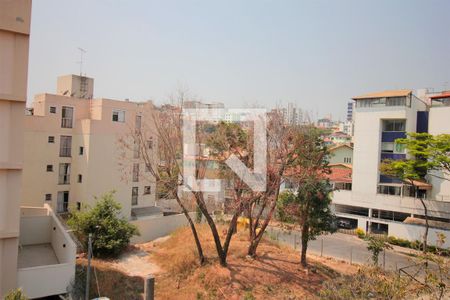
(36, 253)
(73, 151)
(15, 19)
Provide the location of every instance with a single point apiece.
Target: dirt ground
(274, 274)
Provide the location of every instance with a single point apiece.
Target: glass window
(49, 168)
(67, 117)
(394, 125)
(118, 116)
(53, 109)
(81, 151)
(64, 173)
(387, 147)
(399, 148)
(147, 190)
(134, 195)
(48, 197)
(135, 172)
(51, 139)
(389, 190)
(65, 147)
(138, 123)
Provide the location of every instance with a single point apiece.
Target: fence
(341, 247)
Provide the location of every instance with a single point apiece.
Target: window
(118, 116)
(380, 102)
(80, 178)
(396, 101)
(134, 195)
(136, 148)
(78, 205)
(51, 139)
(67, 117)
(62, 204)
(53, 109)
(399, 148)
(147, 190)
(150, 143)
(389, 190)
(65, 147)
(49, 168)
(135, 172)
(64, 173)
(394, 125)
(81, 151)
(387, 147)
(48, 197)
(138, 123)
(347, 160)
(392, 147)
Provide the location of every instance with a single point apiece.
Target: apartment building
(36, 254)
(77, 149)
(382, 204)
(15, 19)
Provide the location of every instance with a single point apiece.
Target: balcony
(436, 208)
(46, 263)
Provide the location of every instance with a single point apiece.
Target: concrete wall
(153, 228)
(15, 20)
(400, 230)
(35, 230)
(439, 124)
(395, 203)
(46, 280)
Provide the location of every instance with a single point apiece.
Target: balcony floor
(36, 255)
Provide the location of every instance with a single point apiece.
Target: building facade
(15, 19)
(78, 148)
(381, 204)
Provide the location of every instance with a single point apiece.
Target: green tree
(111, 232)
(310, 207)
(429, 156)
(16, 294)
(285, 199)
(375, 246)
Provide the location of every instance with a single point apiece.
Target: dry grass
(112, 282)
(275, 274)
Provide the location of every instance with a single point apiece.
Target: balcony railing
(66, 122)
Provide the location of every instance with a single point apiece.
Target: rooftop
(384, 94)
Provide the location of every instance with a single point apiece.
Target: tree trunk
(255, 242)
(305, 238)
(220, 253)
(201, 257)
(427, 225)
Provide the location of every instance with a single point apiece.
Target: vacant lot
(274, 274)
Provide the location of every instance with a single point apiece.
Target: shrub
(16, 294)
(360, 233)
(111, 233)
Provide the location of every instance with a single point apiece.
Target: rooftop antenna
(82, 51)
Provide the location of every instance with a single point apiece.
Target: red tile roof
(339, 174)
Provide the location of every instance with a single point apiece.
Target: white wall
(35, 230)
(153, 228)
(438, 124)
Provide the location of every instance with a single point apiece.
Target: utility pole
(88, 273)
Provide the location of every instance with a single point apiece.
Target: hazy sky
(317, 54)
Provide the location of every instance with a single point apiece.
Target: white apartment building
(73, 152)
(381, 204)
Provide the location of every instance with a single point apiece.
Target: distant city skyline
(316, 54)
